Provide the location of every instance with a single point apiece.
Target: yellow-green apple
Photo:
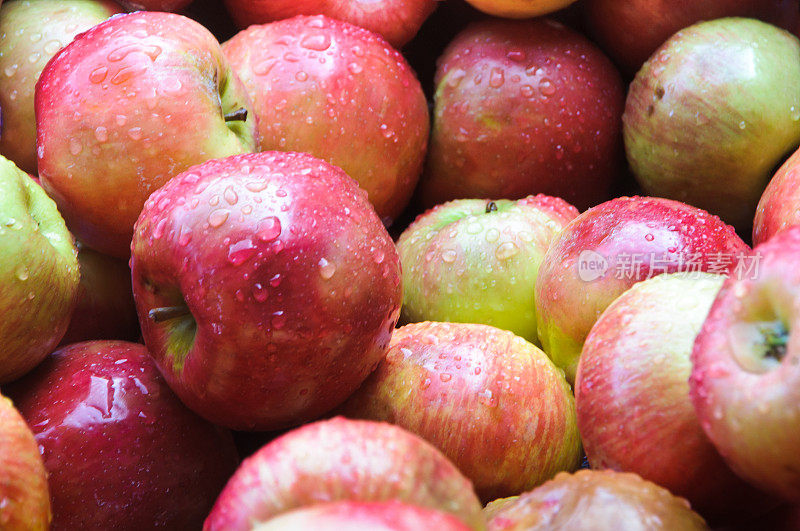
(31, 32)
(341, 459)
(267, 288)
(632, 395)
(396, 20)
(610, 247)
(524, 107)
(23, 480)
(120, 449)
(631, 30)
(341, 93)
(155, 5)
(745, 382)
(519, 8)
(112, 110)
(39, 273)
(489, 400)
(594, 499)
(713, 112)
(361, 516)
(779, 206)
(475, 261)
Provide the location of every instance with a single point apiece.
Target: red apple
(266, 286)
(519, 8)
(745, 382)
(523, 108)
(396, 20)
(112, 110)
(592, 499)
(489, 400)
(120, 449)
(341, 93)
(342, 459)
(779, 205)
(607, 249)
(155, 5)
(24, 493)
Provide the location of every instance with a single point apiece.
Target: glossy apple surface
(475, 261)
(112, 110)
(524, 107)
(155, 5)
(778, 207)
(712, 113)
(745, 382)
(609, 248)
(519, 8)
(289, 287)
(489, 400)
(120, 449)
(342, 459)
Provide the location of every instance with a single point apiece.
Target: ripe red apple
(631, 30)
(120, 449)
(24, 493)
(396, 20)
(745, 382)
(779, 206)
(266, 286)
(523, 108)
(594, 499)
(341, 93)
(607, 249)
(342, 459)
(519, 8)
(112, 110)
(155, 5)
(489, 400)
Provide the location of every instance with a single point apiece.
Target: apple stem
(491, 207)
(159, 315)
(239, 115)
(775, 339)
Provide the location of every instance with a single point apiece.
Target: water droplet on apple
(743, 125)
(445, 377)
(10, 70)
(135, 133)
(278, 320)
(318, 42)
(230, 195)
(75, 146)
(260, 293)
(241, 251)
(275, 281)
(355, 68)
(649, 237)
(101, 134)
(546, 87)
(449, 256)
(22, 273)
(256, 186)
(492, 235)
(218, 217)
(506, 250)
(496, 79)
(326, 268)
(269, 229)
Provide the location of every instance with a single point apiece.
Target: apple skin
(120, 449)
(594, 499)
(292, 284)
(524, 107)
(23, 479)
(519, 8)
(745, 382)
(360, 516)
(111, 110)
(341, 459)
(344, 96)
(677, 236)
(475, 261)
(493, 403)
(155, 5)
(778, 207)
(631, 30)
(396, 20)
(632, 396)
(35, 29)
(712, 113)
(39, 273)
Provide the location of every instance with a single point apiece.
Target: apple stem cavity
(239, 115)
(491, 206)
(159, 315)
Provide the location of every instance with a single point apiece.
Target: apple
(120, 449)
(396, 20)
(524, 107)
(155, 5)
(493, 403)
(778, 207)
(475, 261)
(609, 248)
(31, 32)
(711, 114)
(519, 8)
(105, 307)
(632, 395)
(631, 30)
(39, 273)
(341, 459)
(594, 499)
(23, 480)
(340, 93)
(745, 382)
(267, 288)
(112, 110)
(360, 516)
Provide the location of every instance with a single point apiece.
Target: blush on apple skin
(778, 207)
(120, 449)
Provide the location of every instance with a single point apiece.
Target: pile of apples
(400, 264)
